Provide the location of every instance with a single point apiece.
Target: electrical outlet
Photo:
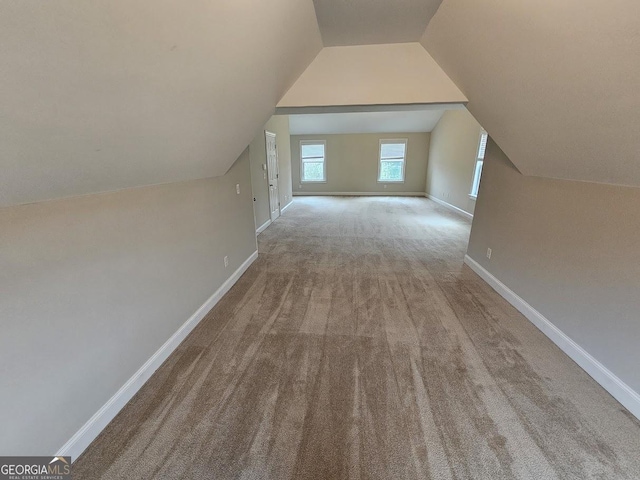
(385, 186)
(226, 261)
(488, 253)
(300, 187)
(238, 188)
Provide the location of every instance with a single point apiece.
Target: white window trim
(404, 160)
(478, 165)
(324, 160)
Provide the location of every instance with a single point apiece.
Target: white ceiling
(364, 122)
(393, 74)
(362, 22)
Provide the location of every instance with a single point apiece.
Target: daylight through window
(393, 154)
(477, 173)
(312, 168)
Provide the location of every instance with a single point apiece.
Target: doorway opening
(272, 174)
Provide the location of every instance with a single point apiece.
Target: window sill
(305, 182)
(473, 197)
(391, 182)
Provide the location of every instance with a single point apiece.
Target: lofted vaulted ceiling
(555, 83)
(99, 96)
(105, 95)
(362, 22)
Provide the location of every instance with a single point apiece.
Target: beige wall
(452, 159)
(352, 163)
(278, 124)
(92, 286)
(569, 249)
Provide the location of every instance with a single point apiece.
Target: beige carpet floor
(358, 345)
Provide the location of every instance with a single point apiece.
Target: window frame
(478, 165)
(324, 160)
(384, 141)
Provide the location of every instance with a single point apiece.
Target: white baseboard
(285, 207)
(90, 430)
(360, 194)
(449, 206)
(601, 374)
(263, 227)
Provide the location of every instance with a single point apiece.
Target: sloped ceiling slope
(362, 22)
(555, 83)
(400, 73)
(103, 95)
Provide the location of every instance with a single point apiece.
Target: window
(312, 168)
(392, 159)
(477, 173)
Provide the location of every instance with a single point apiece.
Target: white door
(272, 174)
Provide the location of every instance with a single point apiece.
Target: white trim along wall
(453, 208)
(601, 374)
(90, 430)
(360, 194)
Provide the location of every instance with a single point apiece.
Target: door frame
(267, 133)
